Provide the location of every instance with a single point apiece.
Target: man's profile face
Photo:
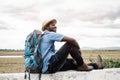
(52, 27)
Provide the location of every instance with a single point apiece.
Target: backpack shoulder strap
(47, 51)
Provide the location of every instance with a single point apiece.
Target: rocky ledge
(104, 74)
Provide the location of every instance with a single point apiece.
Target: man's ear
(47, 28)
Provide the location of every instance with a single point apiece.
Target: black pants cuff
(94, 65)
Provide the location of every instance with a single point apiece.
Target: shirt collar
(46, 31)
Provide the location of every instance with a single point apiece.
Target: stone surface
(105, 74)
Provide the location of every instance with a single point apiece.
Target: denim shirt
(48, 40)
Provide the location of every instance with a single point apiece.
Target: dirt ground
(13, 65)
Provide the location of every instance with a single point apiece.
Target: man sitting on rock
(58, 61)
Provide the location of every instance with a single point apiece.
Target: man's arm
(71, 41)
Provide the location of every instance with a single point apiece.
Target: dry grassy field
(13, 65)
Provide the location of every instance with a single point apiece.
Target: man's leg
(70, 64)
(57, 61)
(76, 54)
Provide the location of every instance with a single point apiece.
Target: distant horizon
(84, 48)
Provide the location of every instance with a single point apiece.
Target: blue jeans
(60, 62)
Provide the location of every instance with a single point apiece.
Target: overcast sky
(93, 23)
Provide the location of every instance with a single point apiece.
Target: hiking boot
(99, 62)
(84, 67)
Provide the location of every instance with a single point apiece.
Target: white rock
(105, 74)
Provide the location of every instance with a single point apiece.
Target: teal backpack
(32, 55)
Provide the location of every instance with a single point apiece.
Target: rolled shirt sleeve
(56, 37)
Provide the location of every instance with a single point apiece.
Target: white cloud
(95, 11)
(91, 22)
